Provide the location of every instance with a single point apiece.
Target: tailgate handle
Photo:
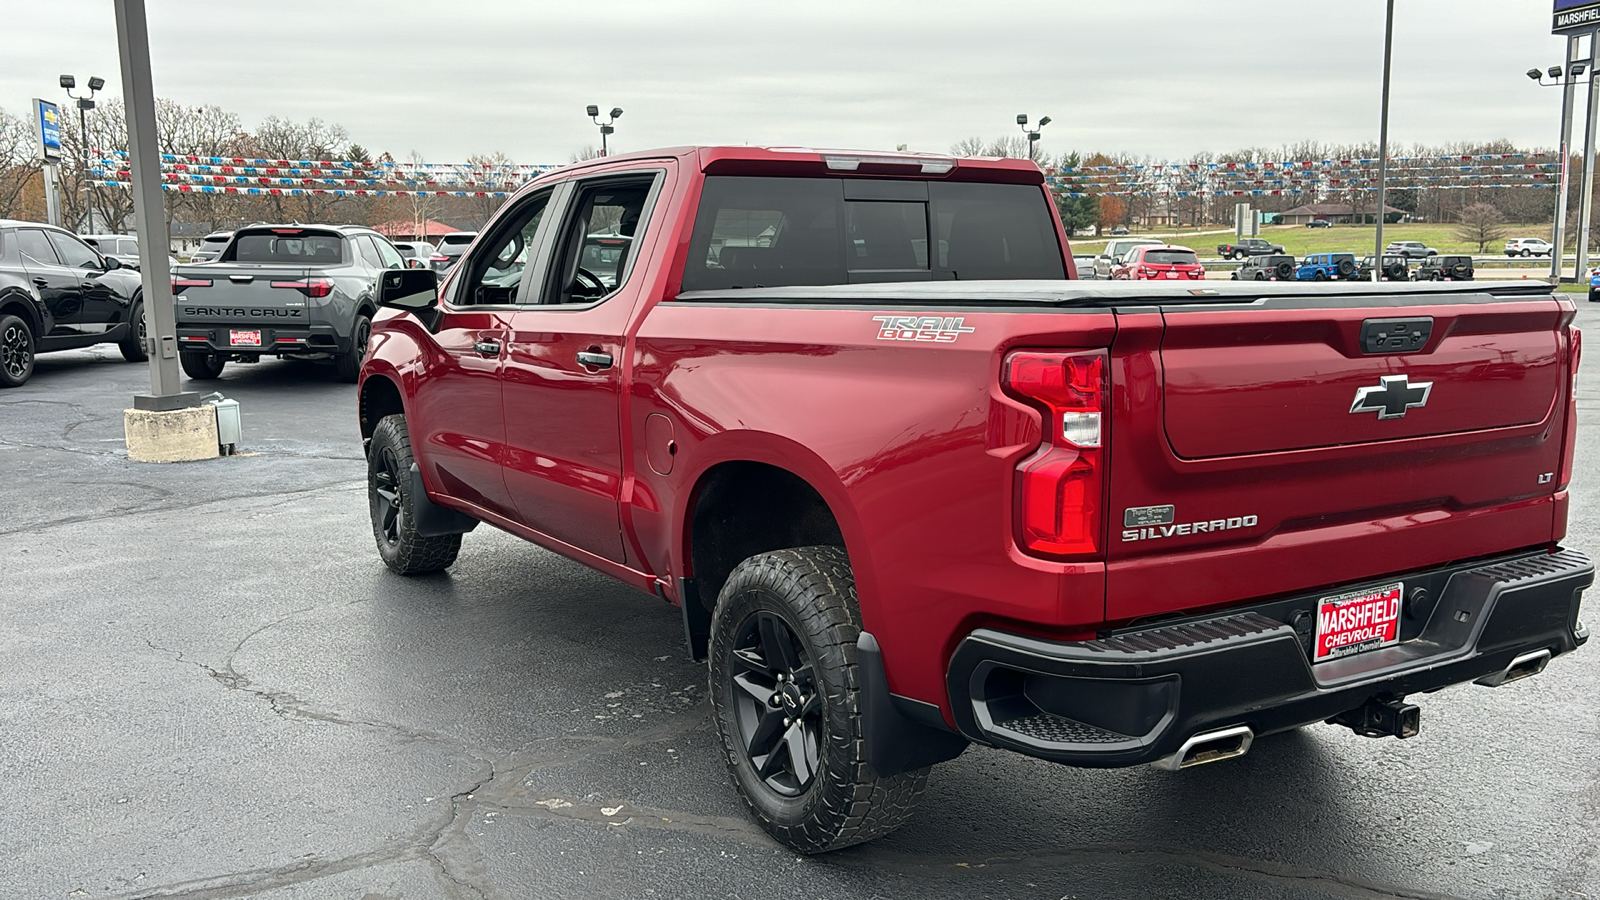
(1396, 335)
(241, 279)
(487, 348)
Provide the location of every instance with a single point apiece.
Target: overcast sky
(1157, 77)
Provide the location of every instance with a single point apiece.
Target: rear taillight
(180, 284)
(311, 287)
(1146, 271)
(1569, 444)
(1060, 486)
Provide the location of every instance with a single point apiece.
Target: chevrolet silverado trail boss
(293, 291)
(912, 486)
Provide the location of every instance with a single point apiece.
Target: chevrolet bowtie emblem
(1392, 397)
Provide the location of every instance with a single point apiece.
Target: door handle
(487, 348)
(594, 359)
(40, 282)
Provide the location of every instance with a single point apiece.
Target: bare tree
(19, 168)
(1480, 224)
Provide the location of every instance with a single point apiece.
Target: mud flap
(429, 518)
(898, 742)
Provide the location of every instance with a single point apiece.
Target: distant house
(408, 230)
(1338, 213)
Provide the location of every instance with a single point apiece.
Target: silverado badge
(1392, 397)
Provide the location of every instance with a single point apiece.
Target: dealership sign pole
(1574, 19)
(47, 122)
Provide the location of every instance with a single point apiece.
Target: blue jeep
(1326, 267)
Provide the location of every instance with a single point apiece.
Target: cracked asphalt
(210, 687)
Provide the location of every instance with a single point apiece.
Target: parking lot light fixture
(1032, 134)
(1535, 74)
(85, 103)
(606, 128)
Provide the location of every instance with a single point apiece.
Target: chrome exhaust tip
(1524, 666)
(1212, 746)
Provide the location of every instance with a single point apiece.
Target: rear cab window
(286, 246)
(755, 231)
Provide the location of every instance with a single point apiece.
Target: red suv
(1159, 261)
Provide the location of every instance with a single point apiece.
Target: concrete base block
(175, 435)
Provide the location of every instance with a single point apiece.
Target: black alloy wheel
(133, 346)
(776, 704)
(347, 366)
(16, 351)
(388, 514)
(787, 698)
(392, 506)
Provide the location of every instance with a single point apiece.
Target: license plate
(1172, 274)
(244, 338)
(1357, 621)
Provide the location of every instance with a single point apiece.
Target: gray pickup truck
(292, 291)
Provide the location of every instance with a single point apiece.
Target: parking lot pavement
(212, 688)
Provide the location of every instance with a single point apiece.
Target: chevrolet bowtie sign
(1575, 15)
(1392, 397)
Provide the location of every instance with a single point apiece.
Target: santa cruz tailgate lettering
(242, 313)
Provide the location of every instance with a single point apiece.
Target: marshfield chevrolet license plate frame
(1358, 621)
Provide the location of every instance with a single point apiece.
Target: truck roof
(721, 160)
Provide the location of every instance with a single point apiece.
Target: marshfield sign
(1576, 15)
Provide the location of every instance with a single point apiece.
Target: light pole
(1567, 78)
(1383, 143)
(1033, 134)
(605, 127)
(85, 104)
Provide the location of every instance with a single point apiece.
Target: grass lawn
(1298, 240)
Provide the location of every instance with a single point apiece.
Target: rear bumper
(1135, 696)
(274, 339)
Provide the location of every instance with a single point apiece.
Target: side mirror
(111, 262)
(412, 290)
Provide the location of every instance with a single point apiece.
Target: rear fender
(782, 453)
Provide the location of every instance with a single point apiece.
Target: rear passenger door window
(34, 245)
(597, 238)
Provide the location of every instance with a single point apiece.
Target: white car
(211, 246)
(1528, 247)
(421, 251)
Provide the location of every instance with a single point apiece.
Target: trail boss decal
(1156, 532)
(939, 330)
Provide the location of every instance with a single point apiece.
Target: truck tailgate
(239, 293)
(1279, 446)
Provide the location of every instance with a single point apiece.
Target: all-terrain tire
(809, 595)
(17, 348)
(133, 346)
(1346, 268)
(201, 365)
(347, 366)
(393, 508)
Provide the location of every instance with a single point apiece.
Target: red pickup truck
(913, 486)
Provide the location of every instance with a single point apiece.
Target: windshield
(1171, 258)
